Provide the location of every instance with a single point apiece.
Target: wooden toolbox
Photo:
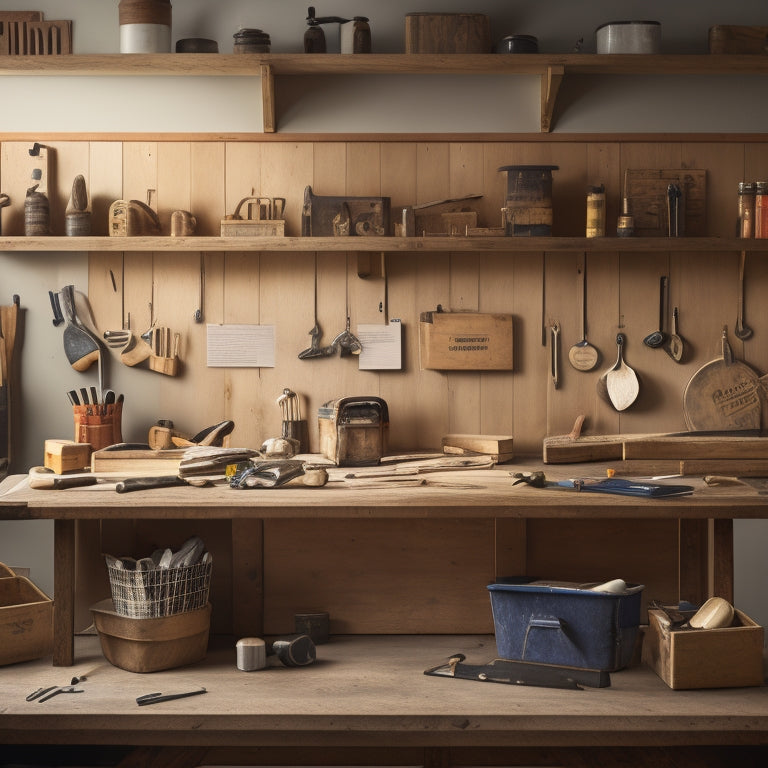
(465, 341)
(26, 619)
(705, 658)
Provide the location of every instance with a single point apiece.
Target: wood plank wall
(210, 177)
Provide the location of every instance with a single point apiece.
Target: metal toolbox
(353, 430)
(566, 623)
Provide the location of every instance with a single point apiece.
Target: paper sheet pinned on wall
(382, 346)
(241, 346)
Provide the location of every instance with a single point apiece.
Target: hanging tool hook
(199, 311)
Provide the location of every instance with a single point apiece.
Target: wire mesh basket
(140, 594)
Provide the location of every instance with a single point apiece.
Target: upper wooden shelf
(551, 68)
(382, 244)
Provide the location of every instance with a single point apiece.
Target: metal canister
(761, 209)
(746, 209)
(596, 211)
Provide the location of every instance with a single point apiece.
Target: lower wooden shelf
(366, 691)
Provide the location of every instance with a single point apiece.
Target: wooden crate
(26, 619)
(465, 341)
(708, 658)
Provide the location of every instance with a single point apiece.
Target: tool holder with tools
(256, 217)
(294, 428)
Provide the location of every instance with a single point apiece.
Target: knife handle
(147, 483)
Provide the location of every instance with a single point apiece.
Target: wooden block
(147, 462)
(498, 458)
(480, 443)
(66, 456)
(729, 467)
(252, 228)
(726, 38)
(684, 447)
(713, 658)
(447, 33)
(466, 341)
(169, 366)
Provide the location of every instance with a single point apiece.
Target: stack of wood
(733, 454)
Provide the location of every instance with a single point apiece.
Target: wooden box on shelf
(705, 658)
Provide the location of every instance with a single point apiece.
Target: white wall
(349, 104)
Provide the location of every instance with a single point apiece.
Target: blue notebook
(624, 487)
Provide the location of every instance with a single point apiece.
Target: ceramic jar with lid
(145, 26)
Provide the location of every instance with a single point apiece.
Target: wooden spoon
(582, 355)
(621, 381)
(674, 345)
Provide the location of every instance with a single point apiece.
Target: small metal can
(251, 654)
(596, 211)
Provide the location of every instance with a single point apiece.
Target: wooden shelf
(551, 68)
(382, 244)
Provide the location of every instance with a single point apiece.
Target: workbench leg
(63, 593)
(721, 536)
(693, 561)
(247, 577)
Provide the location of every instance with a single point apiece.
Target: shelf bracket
(267, 97)
(550, 84)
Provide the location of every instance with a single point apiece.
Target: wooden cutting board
(724, 394)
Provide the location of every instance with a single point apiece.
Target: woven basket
(159, 592)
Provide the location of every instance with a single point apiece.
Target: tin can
(761, 209)
(596, 211)
(746, 209)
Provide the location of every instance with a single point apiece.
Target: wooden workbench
(462, 495)
(366, 700)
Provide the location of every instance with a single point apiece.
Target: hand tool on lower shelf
(514, 672)
(156, 698)
(43, 694)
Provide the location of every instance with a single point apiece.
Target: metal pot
(629, 37)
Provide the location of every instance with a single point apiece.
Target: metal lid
(615, 23)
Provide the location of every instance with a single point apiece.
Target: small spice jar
(746, 209)
(761, 209)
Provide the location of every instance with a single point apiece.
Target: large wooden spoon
(621, 381)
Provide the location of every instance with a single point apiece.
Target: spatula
(81, 349)
(621, 381)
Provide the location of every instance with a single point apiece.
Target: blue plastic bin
(566, 624)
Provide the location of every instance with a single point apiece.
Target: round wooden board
(723, 396)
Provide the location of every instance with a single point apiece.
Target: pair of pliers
(43, 694)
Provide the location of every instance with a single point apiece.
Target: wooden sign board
(465, 341)
(647, 194)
